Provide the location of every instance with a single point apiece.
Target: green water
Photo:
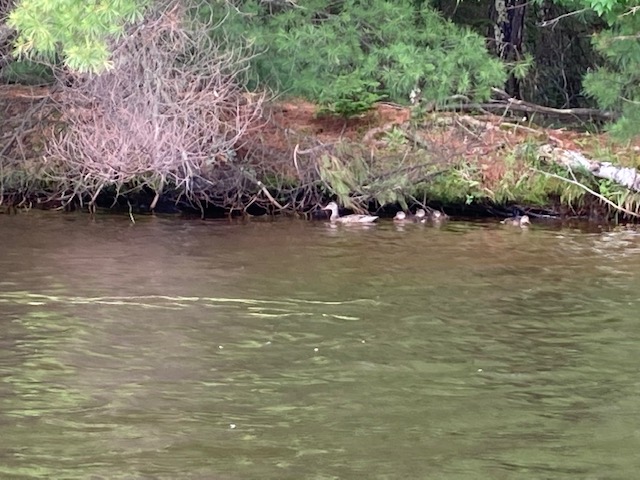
(174, 349)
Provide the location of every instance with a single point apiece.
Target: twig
(555, 20)
(268, 195)
(133, 220)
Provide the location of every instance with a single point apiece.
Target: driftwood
(571, 159)
(624, 176)
(525, 107)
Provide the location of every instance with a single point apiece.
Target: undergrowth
(358, 180)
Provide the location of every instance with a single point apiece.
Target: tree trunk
(507, 17)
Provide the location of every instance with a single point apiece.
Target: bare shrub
(170, 115)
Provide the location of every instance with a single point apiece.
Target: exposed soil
(486, 139)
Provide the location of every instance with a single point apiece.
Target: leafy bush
(350, 95)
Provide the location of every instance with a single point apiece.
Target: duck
(434, 215)
(419, 216)
(438, 216)
(517, 221)
(401, 217)
(354, 218)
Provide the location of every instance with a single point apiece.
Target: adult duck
(518, 221)
(354, 218)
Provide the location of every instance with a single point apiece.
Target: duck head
(333, 206)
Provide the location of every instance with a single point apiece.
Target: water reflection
(287, 349)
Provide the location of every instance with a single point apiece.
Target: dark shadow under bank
(454, 221)
(139, 203)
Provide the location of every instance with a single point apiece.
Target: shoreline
(295, 160)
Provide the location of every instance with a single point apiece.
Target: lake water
(188, 349)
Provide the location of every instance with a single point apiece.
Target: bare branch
(554, 21)
(171, 114)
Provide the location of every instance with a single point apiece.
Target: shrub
(170, 113)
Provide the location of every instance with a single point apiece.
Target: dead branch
(554, 21)
(508, 103)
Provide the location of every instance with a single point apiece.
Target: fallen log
(624, 176)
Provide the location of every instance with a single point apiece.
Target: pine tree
(616, 84)
(76, 29)
(347, 55)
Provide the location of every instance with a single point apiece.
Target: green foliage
(522, 68)
(26, 73)
(356, 177)
(460, 184)
(77, 29)
(616, 84)
(350, 95)
(606, 86)
(344, 55)
(396, 139)
(347, 55)
(622, 197)
(523, 182)
(609, 9)
(341, 179)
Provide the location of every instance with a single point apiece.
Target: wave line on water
(357, 301)
(175, 302)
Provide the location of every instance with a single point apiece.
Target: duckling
(400, 217)
(518, 221)
(438, 216)
(434, 215)
(354, 218)
(421, 215)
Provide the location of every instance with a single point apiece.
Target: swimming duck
(400, 217)
(354, 218)
(434, 215)
(518, 221)
(404, 217)
(438, 216)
